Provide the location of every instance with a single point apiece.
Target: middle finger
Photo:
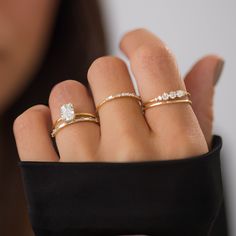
(121, 119)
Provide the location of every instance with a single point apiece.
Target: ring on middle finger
(118, 96)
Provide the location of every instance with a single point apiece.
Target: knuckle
(28, 118)
(132, 154)
(133, 150)
(149, 55)
(190, 143)
(152, 53)
(105, 65)
(66, 85)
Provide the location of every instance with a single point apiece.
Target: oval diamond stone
(67, 112)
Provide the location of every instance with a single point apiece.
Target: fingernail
(218, 71)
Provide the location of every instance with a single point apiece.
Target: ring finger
(78, 141)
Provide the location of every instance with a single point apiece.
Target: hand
(165, 132)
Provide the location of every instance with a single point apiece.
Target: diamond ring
(69, 116)
(168, 96)
(172, 97)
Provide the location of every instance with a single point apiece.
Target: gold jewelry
(69, 116)
(76, 115)
(64, 124)
(168, 96)
(150, 105)
(119, 95)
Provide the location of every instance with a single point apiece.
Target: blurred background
(191, 28)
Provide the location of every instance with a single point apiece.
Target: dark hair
(77, 39)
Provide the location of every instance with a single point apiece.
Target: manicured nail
(218, 71)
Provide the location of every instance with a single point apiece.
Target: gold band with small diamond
(119, 95)
(168, 96)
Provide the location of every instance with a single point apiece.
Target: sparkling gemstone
(67, 112)
(165, 96)
(172, 94)
(159, 98)
(180, 93)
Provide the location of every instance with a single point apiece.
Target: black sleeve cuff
(176, 197)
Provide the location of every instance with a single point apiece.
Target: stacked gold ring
(172, 97)
(69, 116)
(76, 115)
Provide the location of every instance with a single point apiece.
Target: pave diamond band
(117, 96)
(168, 96)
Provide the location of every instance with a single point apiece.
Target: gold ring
(168, 96)
(76, 120)
(69, 116)
(76, 115)
(119, 95)
(145, 107)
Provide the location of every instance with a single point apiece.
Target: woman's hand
(165, 132)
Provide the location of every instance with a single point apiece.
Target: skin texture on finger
(156, 71)
(119, 118)
(32, 135)
(79, 141)
(200, 82)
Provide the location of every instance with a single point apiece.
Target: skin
(163, 133)
(25, 28)
(24, 33)
(24, 37)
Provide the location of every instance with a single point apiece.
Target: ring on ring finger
(69, 116)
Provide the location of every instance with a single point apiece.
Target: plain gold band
(77, 115)
(76, 120)
(166, 102)
(119, 95)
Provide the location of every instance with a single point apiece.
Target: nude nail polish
(218, 71)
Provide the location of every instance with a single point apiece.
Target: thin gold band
(76, 120)
(119, 95)
(77, 115)
(166, 102)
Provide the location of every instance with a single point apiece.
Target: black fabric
(175, 197)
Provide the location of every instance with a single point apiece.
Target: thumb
(200, 82)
